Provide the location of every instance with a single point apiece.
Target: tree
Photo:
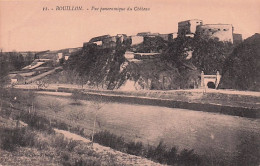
(209, 55)
(97, 66)
(241, 69)
(4, 70)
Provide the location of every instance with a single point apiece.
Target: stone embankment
(242, 105)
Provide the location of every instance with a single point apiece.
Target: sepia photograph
(129, 82)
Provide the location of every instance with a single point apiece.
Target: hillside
(177, 67)
(241, 69)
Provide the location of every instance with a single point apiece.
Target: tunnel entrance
(211, 85)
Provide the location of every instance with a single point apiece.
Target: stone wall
(223, 32)
(188, 27)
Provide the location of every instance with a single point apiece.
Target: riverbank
(37, 147)
(229, 104)
(217, 136)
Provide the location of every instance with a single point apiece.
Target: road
(40, 76)
(219, 91)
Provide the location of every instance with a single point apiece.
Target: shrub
(76, 115)
(71, 145)
(69, 160)
(158, 153)
(65, 156)
(60, 142)
(36, 121)
(164, 155)
(41, 144)
(86, 162)
(11, 138)
(55, 106)
(188, 157)
(135, 148)
(76, 96)
(111, 140)
(59, 125)
(172, 156)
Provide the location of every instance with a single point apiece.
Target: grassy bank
(229, 104)
(39, 134)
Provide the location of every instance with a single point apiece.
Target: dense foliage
(3, 71)
(12, 61)
(160, 153)
(182, 58)
(207, 55)
(241, 69)
(97, 66)
(15, 60)
(103, 66)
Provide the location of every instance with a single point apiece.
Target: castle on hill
(188, 28)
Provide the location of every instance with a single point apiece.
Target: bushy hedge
(11, 138)
(161, 153)
(36, 121)
(109, 139)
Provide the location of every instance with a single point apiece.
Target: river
(211, 134)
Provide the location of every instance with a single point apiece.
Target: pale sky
(24, 26)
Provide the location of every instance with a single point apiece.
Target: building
(66, 57)
(167, 37)
(237, 38)
(121, 38)
(174, 35)
(17, 79)
(143, 33)
(146, 55)
(72, 50)
(129, 55)
(109, 42)
(55, 56)
(137, 40)
(98, 38)
(222, 32)
(188, 26)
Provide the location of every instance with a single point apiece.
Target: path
(30, 80)
(122, 158)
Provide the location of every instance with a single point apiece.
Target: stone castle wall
(223, 32)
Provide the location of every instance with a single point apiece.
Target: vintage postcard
(130, 82)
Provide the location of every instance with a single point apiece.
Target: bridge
(210, 81)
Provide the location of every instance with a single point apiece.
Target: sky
(24, 26)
